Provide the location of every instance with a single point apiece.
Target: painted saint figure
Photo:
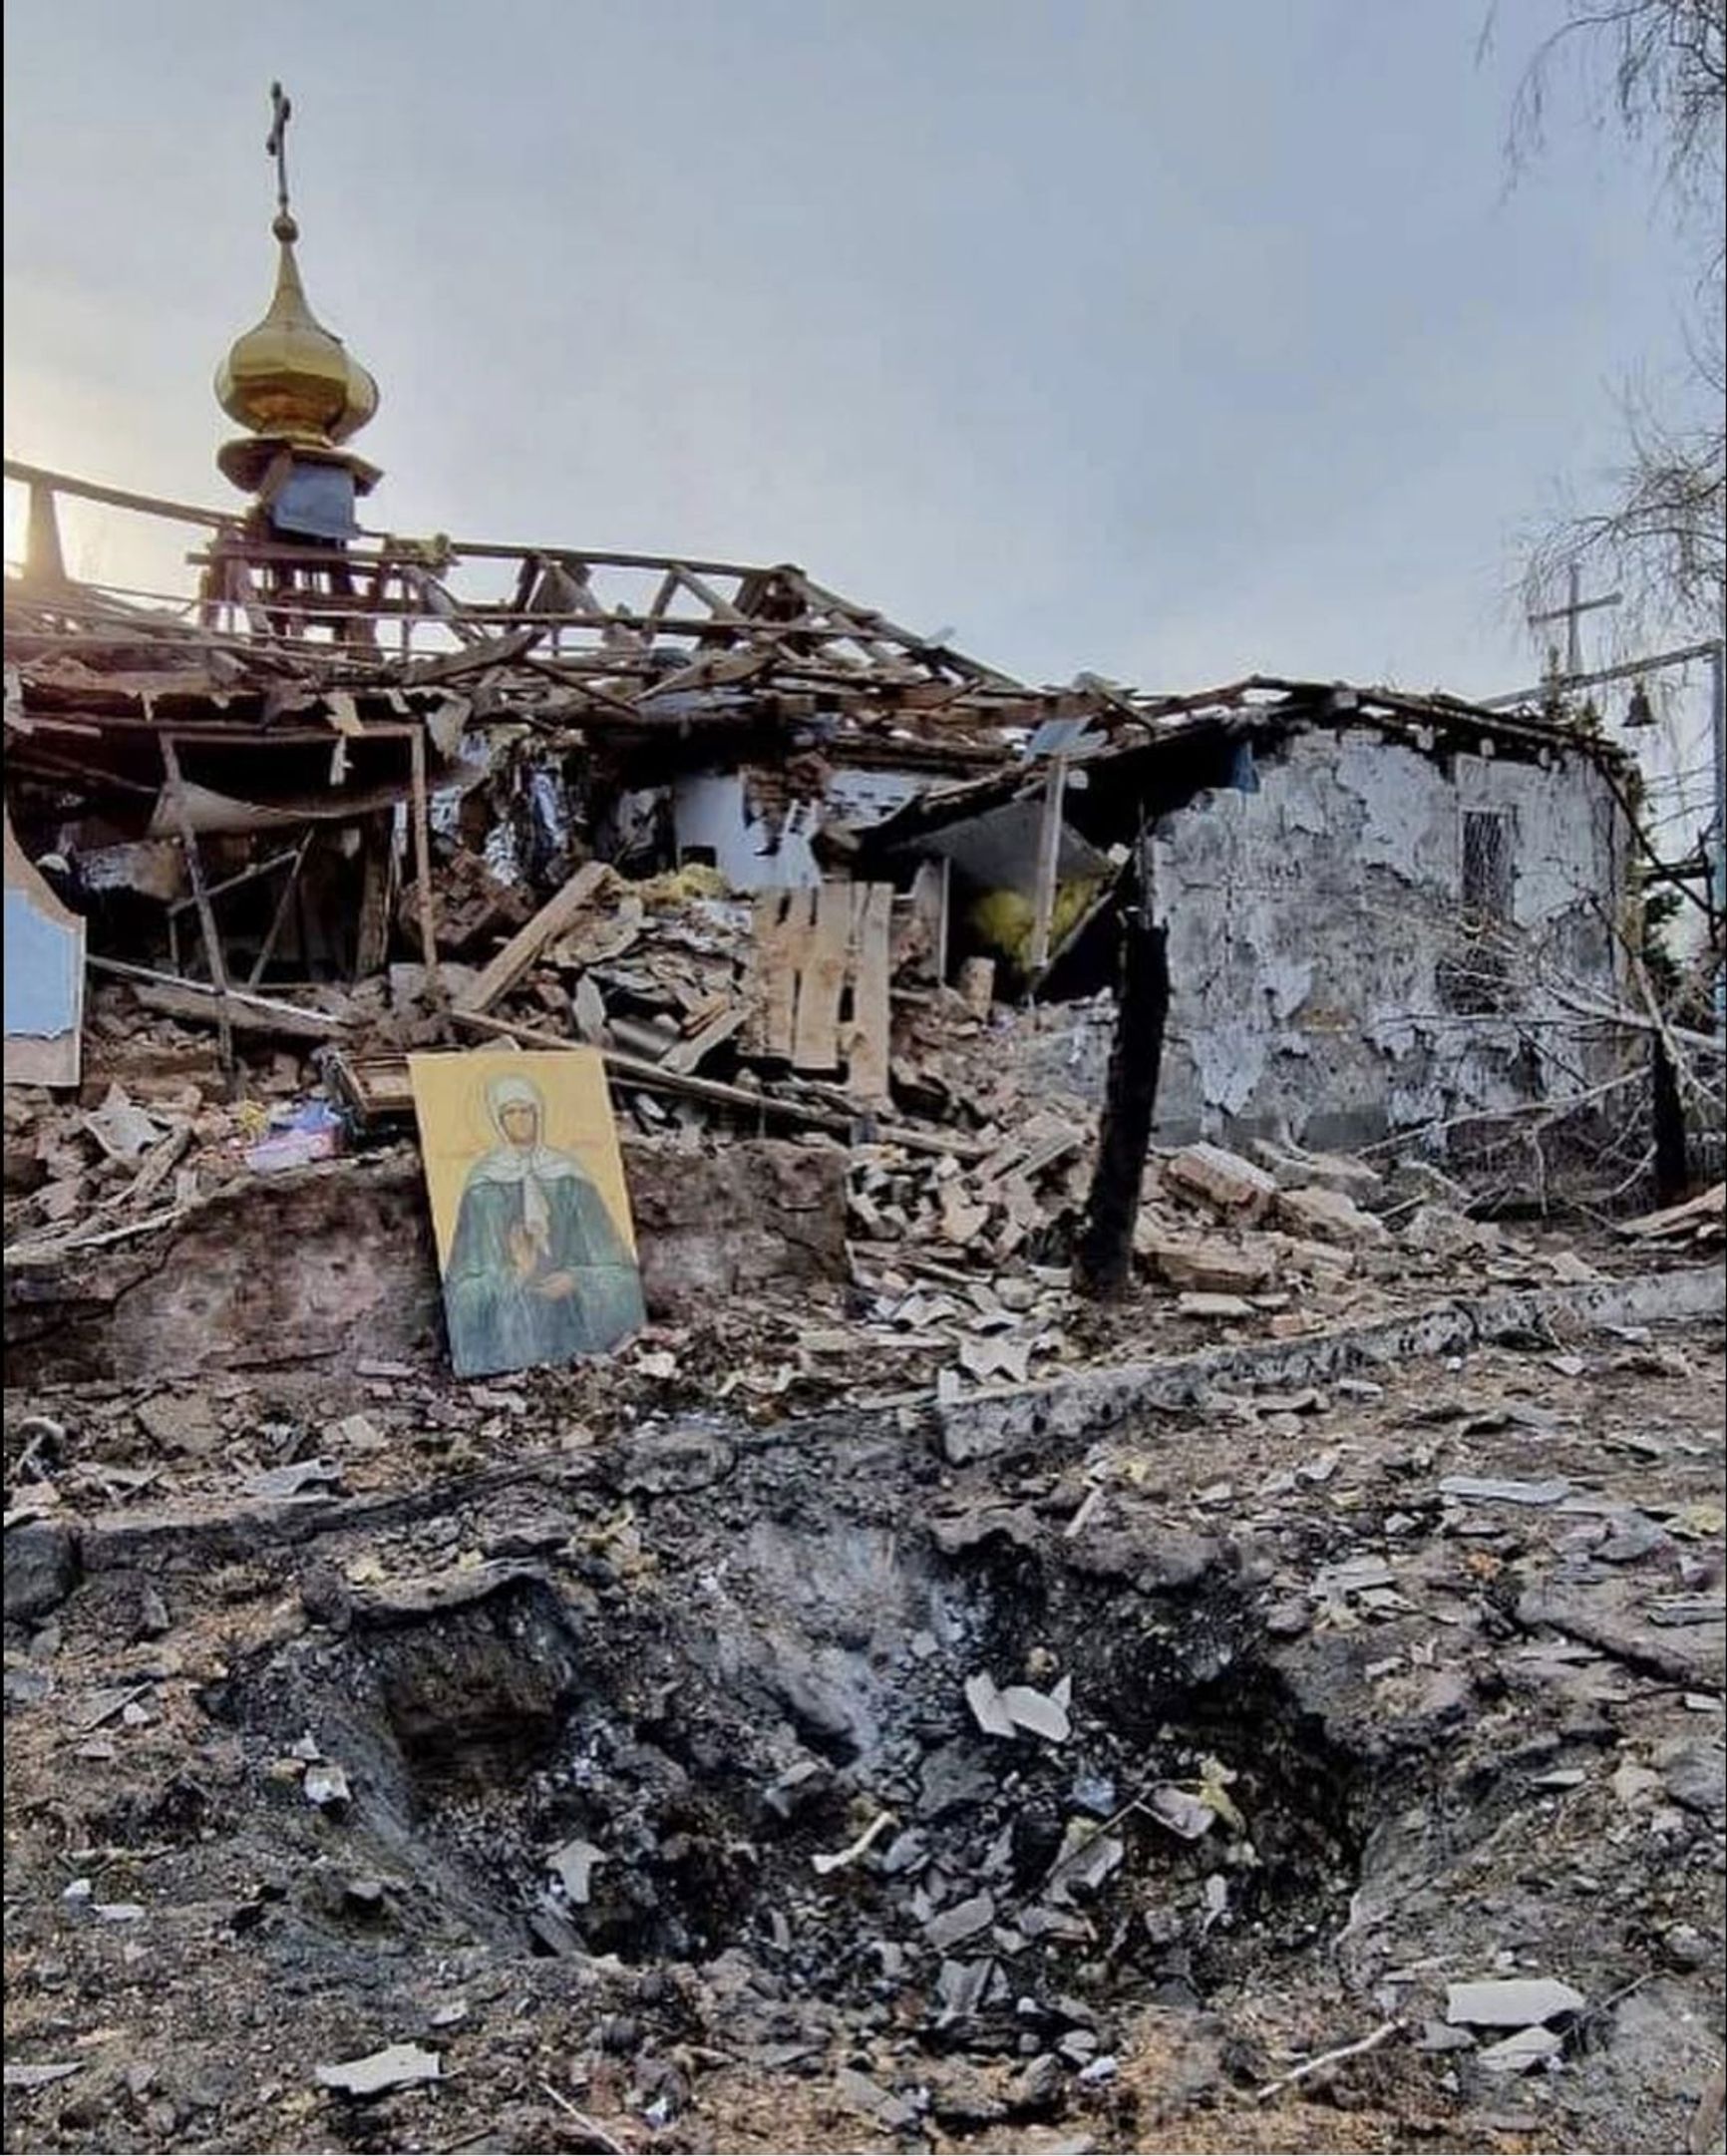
(538, 1271)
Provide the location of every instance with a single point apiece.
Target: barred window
(1489, 869)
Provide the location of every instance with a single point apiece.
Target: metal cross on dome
(277, 145)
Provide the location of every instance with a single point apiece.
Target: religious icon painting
(528, 1206)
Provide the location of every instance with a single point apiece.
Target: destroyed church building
(673, 1484)
(1386, 912)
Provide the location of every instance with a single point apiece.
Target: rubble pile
(952, 1264)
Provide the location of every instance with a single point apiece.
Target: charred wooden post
(1104, 1261)
(1672, 1168)
(421, 821)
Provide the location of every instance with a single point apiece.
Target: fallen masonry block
(1214, 1306)
(1486, 1491)
(1517, 2053)
(1329, 1215)
(1208, 1265)
(1326, 1261)
(1222, 1179)
(40, 1569)
(963, 1921)
(1445, 1233)
(1334, 1171)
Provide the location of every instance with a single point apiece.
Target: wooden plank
(870, 1014)
(420, 819)
(555, 916)
(822, 982)
(147, 505)
(1707, 1206)
(377, 878)
(780, 925)
(499, 651)
(278, 919)
(698, 587)
(1048, 864)
(689, 1054)
(213, 942)
(930, 891)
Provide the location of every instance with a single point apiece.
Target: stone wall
(336, 1262)
(1317, 935)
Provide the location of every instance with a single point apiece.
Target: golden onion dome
(289, 377)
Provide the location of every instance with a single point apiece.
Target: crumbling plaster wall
(1311, 923)
(712, 812)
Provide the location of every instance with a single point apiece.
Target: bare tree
(1656, 71)
(1656, 529)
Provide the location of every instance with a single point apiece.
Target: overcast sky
(1164, 338)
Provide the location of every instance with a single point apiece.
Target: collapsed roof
(657, 662)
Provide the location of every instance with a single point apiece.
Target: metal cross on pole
(1570, 614)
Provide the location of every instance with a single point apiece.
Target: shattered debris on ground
(724, 1774)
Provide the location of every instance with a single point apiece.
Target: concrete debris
(1693, 1772)
(1295, 1170)
(988, 1709)
(962, 1987)
(1040, 1714)
(22, 2076)
(294, 1481)
(1214, 1306)
(1088, 1857)
(1204, 1266)
(40, 1569)
(1482, 1490)
(1511, 2001)
(1441, 1232)
(573, 1865)
(895, 2113)
(1356, 1575)
(326, 1787)
(1529, 2048)
(1182, 1813)
(397, 2066)
(952, 1928)
(1328, 1215)
(1232, 1185)
(121, 1128)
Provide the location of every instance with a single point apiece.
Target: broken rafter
(630, 1070)
(83, 489)
(557, 914)
(241, 1010)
